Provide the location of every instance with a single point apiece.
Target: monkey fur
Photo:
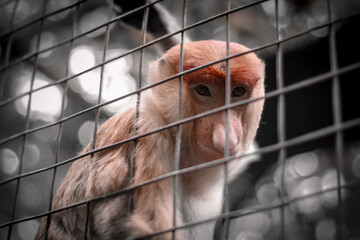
(199, 194)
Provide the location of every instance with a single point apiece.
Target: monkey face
(210, 137)
(220, 132)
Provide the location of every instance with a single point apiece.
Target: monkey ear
(161, 69)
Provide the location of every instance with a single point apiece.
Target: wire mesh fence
(67, 66)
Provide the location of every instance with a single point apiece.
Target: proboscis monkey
(199, 194)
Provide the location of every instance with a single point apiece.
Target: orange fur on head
(245, 70)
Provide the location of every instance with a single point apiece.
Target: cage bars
(137, 111)
(337, 119)
(337, 128)
(27, 117)
(87, 231)
(281, 127)
(177, 156)
(75, 37)
(61, 124)
(268, 149)
(5, 102)
(14, 136)
(296, 141)
(297, 86)
(7, 57)
(226, 207)
(122, 55)
(249, 211)
(8, 48)
(39, 19)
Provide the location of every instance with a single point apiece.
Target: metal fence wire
(67, 66)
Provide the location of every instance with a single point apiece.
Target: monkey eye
(202, 90)
(238, 91)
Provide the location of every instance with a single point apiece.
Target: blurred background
(61, 52)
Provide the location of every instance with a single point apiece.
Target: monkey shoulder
(151, 120)
(131, 121)
(109, 167)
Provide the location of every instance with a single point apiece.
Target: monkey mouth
(214, 151)
(210, 149)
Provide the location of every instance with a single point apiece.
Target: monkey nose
(219, 138)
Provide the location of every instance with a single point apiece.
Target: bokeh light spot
(9, 161)
(94, 19)
(325, 229)
(247, 235)
(47, 40)
(86, 132)
(267, 193)
(256, 222)
(116, 80)
(31, 156)
(45, 103)
(30, 194)
(307, 187)
(330, 180)
(28, 229)
(306, 164)
(81, 58)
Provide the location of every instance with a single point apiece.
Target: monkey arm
(109, 171)
(105, 172)
(153, 203)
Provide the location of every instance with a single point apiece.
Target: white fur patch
(197, 208)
